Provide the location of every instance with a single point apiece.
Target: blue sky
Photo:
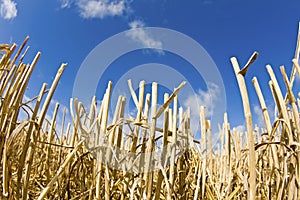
(68, 30)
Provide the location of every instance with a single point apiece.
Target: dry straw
(38, 161)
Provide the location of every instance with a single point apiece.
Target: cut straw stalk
(228, 152)
(12, 73)
(173, 145)
(123, 185)
(120, 128)
(113, 133)
(248, 117)
(144, 142)
(263, 105)
(164, 150)
(14, 97)
(292, 101)
(138, 118)
(266, 118)
(203, 147)
(296, 56)
(180, 162)
(49, 140)
(5, 60)
(35, 133)
(60, 171)
(198, 176)
(149, 151)
(7, 147)
(28, 138)
(281, 104)
(103, 125)
(25, 81)
(295, 112)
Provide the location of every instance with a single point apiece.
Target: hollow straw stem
(23, 81)
(226, 130)
(282, 106)
(248, 116)
(164, 151)
(173, 145)
(59, 171)
(203, 147)
(5, 61)
(198, 172)
(28, 138)
(103, 125)
(36, 132)
(138, 117)
(266, 118)
(263, 105)
(144, 141)
(111, 140)
(12, 73)
(167, 103)
(120, 127)
(297, 51)
(180, 163)
(292, 102)
(295, 112)
(149, 151)
(49, 140)
(228, 152)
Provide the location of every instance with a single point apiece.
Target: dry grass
(39, 163)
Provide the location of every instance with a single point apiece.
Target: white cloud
(206, 98)
(101, 8)
(105, 8)
(8, 9)
(203, 98)
(140, 35)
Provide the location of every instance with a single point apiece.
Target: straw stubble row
(96, 157)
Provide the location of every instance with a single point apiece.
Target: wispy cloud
(65, 3)
(140, 35)
(8, 9)
(101, 8)
(240, 128)
(203, 98)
